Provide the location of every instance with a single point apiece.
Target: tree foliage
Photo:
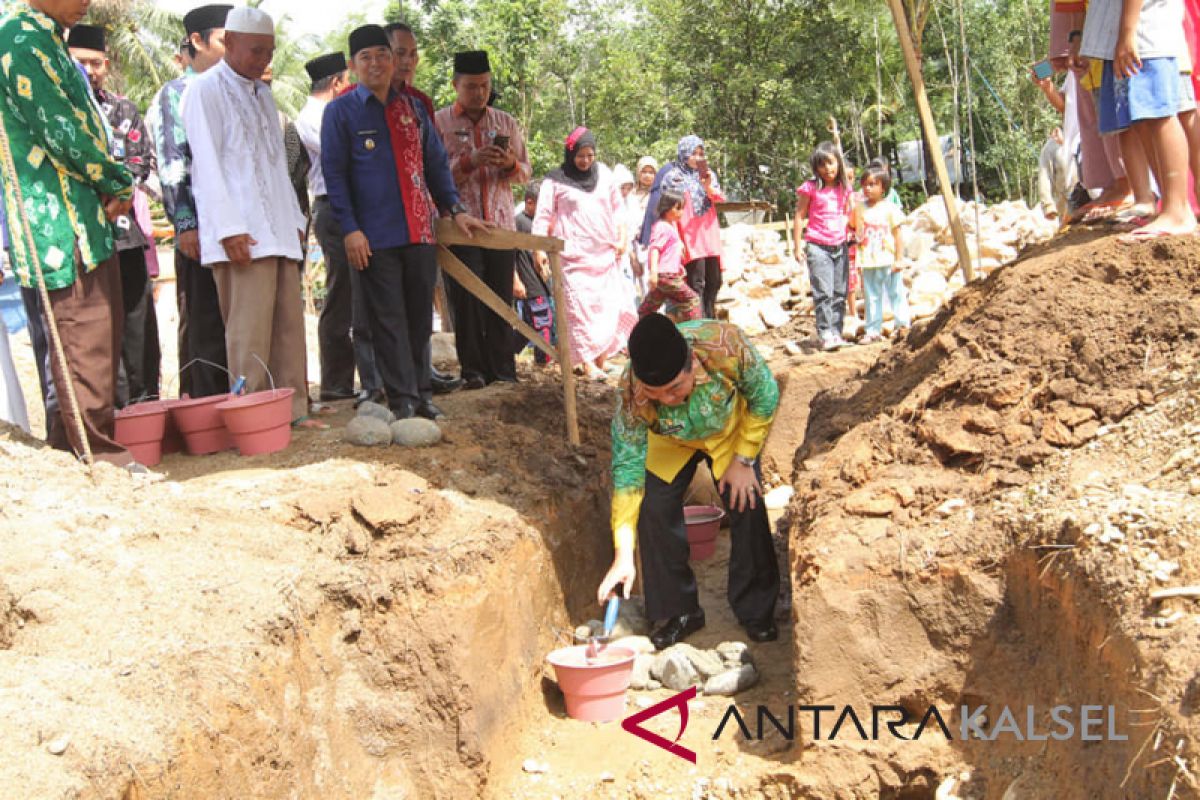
(759, 80)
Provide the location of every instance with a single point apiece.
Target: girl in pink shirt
(665, 275)
(825, 203)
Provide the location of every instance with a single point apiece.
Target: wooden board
(496, 239)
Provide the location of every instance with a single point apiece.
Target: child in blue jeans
(880, 252)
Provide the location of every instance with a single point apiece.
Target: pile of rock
(726, 669)
(376, 425)
(764, 288)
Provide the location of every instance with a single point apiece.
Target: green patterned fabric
(730, 366)
(60, 153)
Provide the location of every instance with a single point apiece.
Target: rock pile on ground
(765, 289)
(375, 426)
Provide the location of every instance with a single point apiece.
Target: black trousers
(343, 330)
(704, 276)
(669, 582)
(483, 340)
(40, 338)
(398, 286)
(138, 377)
(201, 330)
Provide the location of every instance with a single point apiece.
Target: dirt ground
(981, 512)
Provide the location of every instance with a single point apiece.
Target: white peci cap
(244, 19)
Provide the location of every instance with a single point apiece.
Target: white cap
(244, 19)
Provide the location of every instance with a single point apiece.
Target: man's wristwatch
(456, 209)
(743, 460)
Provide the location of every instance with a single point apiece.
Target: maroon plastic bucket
(201, 425)
(594, 692)
(703, 523)
(259, 422)
(139, 428)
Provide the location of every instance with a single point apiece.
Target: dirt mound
(915, 581)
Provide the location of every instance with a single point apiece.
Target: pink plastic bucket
(260, 422)
(703, 523)
(201, 425)
(594, 692)
(140, 429)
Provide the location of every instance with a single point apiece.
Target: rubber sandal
(309, 424)
(1132, 214)
(1095, 212)
(1144, 235)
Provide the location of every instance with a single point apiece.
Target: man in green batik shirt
(71, 188)
(699, 391)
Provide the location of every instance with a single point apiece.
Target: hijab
(568, 173)
(679, 177)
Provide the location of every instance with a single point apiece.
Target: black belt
(322, 198)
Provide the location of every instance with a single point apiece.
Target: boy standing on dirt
(699, 391)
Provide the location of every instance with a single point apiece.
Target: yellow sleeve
(626, 505)
(752, 434)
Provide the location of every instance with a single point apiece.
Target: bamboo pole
(931, 138)
(564, 348)
(456, 269)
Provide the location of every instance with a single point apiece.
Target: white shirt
(1159, 31)
(239, 169)
(308, 125)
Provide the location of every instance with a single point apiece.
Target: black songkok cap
(368, 36)
(89, 37)
(325, 66)
(205, 18)
(657, 350)
(471, 62)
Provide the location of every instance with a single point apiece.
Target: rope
(34, 259)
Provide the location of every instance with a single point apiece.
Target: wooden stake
(931, 138)
(564, 349)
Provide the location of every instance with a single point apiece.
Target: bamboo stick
(931, 138)
(564, 349)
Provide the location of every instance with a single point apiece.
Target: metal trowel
(596, 643)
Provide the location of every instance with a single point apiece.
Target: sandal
(308, 423)
(1136, 215)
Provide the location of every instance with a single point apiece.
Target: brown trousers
(264, 317)
(89, 315)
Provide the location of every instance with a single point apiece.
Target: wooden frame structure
(497, 239)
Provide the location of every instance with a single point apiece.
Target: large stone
(675, 671)
(778, 498)
(871, 502)
(370, 409)
(416, 432)
(773, 315)
(732, 681)
(641, 671)
(638, 644)
(706, 662)
(368, 431)
(735, 652)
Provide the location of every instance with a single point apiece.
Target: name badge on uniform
(368, 142)
(669, 428)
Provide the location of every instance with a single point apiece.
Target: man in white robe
(251, 225)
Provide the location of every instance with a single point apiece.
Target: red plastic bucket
(201, 425)
(140, 429)
(703, 523)
(594, 692)
(260, 422)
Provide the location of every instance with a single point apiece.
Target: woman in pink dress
(581, 204)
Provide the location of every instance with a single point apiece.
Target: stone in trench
(593, 627)
(416, 432)
(368, 431)
(778, 498)
(732, 681)
(676, 672)
(641, 671)
(735, 652)
(706, 662)
(370, 409)
(871, 502)
(638, 644)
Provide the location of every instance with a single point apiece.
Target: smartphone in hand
(501, 141)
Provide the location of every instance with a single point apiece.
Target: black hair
(666, 201)
(827, 151)
(205, 36)
(398, 27)
(326, 82)
(533, 189)
(877, 173)
(881, 162)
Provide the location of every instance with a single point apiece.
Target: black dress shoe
(761, 631)
(445, 384)
(334, 395)
(364, 396)
(677, 628)
(404, 410)
(429, 411)
(474, 382)
(506, 379)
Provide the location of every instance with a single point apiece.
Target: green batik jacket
(728, 413)
(60, 160)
